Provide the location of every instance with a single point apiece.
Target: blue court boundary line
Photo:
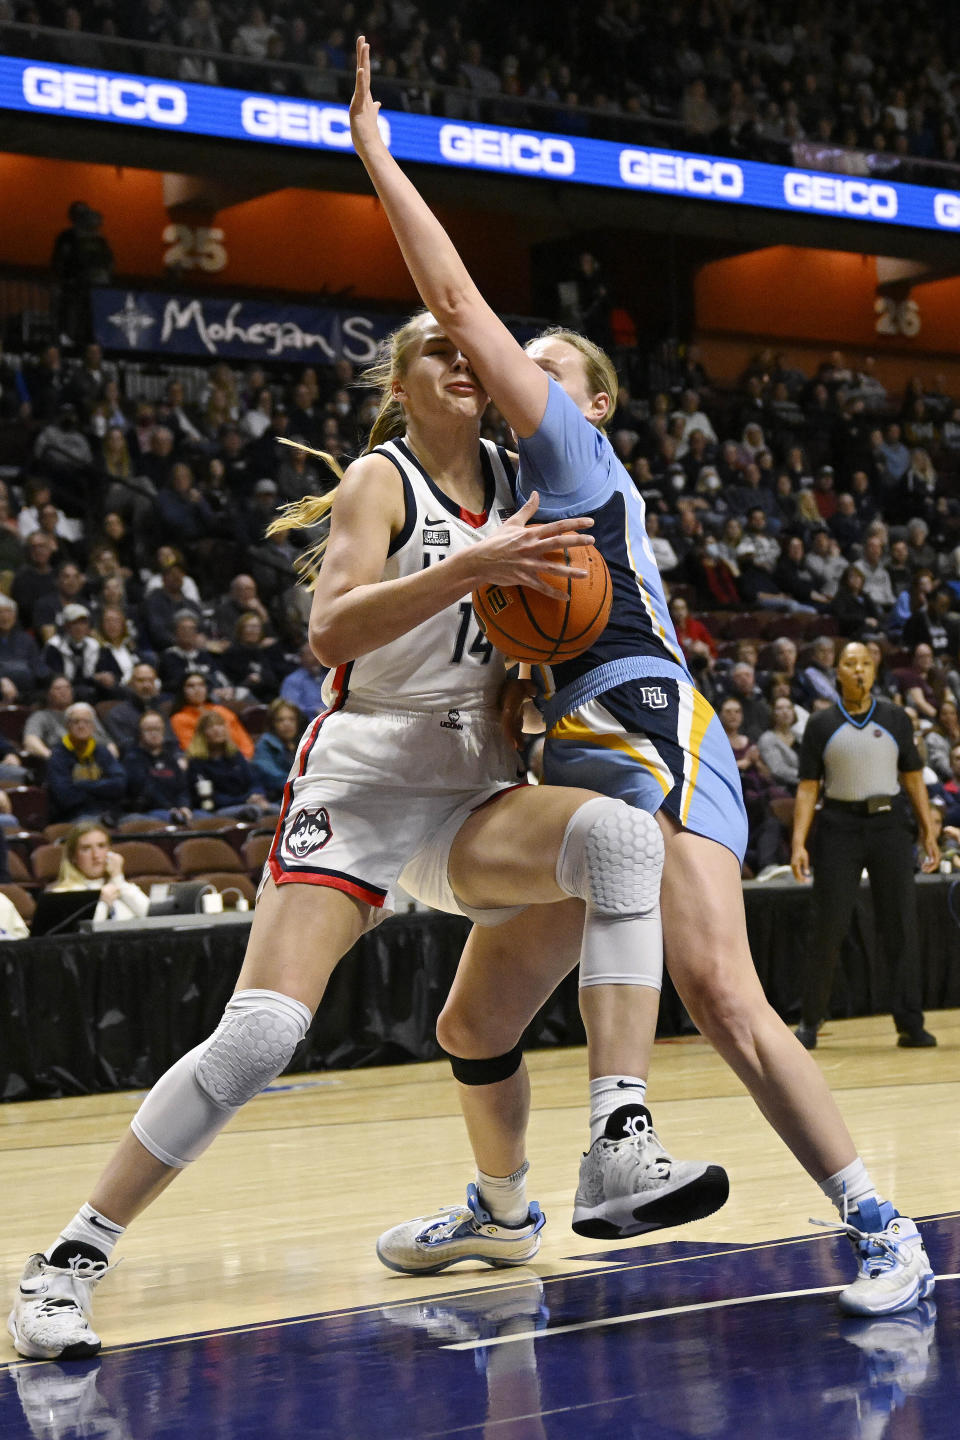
(604, 1267)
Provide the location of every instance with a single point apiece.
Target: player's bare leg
(280, 985)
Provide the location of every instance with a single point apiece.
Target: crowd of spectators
(734, 76)
(145, 616)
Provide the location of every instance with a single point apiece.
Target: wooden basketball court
(280, 1219)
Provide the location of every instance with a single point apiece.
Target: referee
(862, 749)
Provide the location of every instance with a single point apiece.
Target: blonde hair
(199, 747)
(600, 372)
(391, 363)
(70, 876)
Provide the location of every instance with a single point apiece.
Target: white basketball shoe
(461, 1232)
(50, 1319)
(630, 1184)
(894, 1273)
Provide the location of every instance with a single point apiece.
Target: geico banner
(190, 109)
(146, 320)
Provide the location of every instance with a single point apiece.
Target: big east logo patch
(309, 832)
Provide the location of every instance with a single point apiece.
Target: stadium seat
(254, 719)
(57, 831)
(20, 873)
(140, 825)
(12, 720)
(255, 851)
(207, 853)
(140, 859)
(24, 902)
(45, 863)
(29, 804)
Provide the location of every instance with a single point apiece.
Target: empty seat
(19, 872)
(254, 852)
(29, 804)
(225, 881)
(207, 854)
(45, 863)
(12, 720)
(140, 858)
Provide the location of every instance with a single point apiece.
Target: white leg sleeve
(612, 857)
(191, 1103)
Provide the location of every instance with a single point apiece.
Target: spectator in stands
(62, 453)
(754, 711)
(898, 567)
(189, 654)
(89, 864)
(757, 542)
(118, 653)
(22, 672)
(81, 258)
(819, 678)
(241, 599)
(302, 688)
(48, 611)
(943, 736)
(140, 695)
(794, 576)
(251, 663)
(84, 778)
(912, 601)
(46, 384)
(46, 727)
(276, 748)
(222, 781)
(161, 604)
(192, 702)
(75, 652)
(856, 613)
(88, 379)
(260, 510)
(778, 747)
(876, 574)
(183, 515)
(156, 770)
(825, 562)
(35, 578)
(921, 684)
(764, 832)
(693, 635)
(931, 623)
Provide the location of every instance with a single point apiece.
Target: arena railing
(89, 50)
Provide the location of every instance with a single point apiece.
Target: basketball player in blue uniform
(626, 719)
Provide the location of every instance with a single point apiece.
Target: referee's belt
(873, 805)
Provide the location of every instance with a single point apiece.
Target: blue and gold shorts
(654, 742)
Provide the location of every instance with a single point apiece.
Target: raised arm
(514, 383)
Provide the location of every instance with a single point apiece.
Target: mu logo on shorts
(653, 697)
(309, 832)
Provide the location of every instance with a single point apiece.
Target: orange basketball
(543, 629)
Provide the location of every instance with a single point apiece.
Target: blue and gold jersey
(576, 472)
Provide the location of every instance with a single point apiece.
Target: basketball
(528, 625)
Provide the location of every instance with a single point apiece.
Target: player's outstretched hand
(363, 108)
(516, 553)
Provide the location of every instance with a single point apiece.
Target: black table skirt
(87, 1013)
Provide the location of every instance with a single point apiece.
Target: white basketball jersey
(446, 663)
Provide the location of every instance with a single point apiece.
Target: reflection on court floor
(672, 1340)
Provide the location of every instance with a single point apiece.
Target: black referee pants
(844, 844)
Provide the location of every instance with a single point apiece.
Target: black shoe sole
(83, 1351)
(696, 1202)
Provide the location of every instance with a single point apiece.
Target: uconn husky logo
(653, 698)
(309, 832)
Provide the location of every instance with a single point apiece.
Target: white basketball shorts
(374, 802)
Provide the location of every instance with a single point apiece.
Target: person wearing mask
(156, 771)
(89, 864)
(861, 750)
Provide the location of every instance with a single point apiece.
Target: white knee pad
(191, 1103)
(612, 857)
